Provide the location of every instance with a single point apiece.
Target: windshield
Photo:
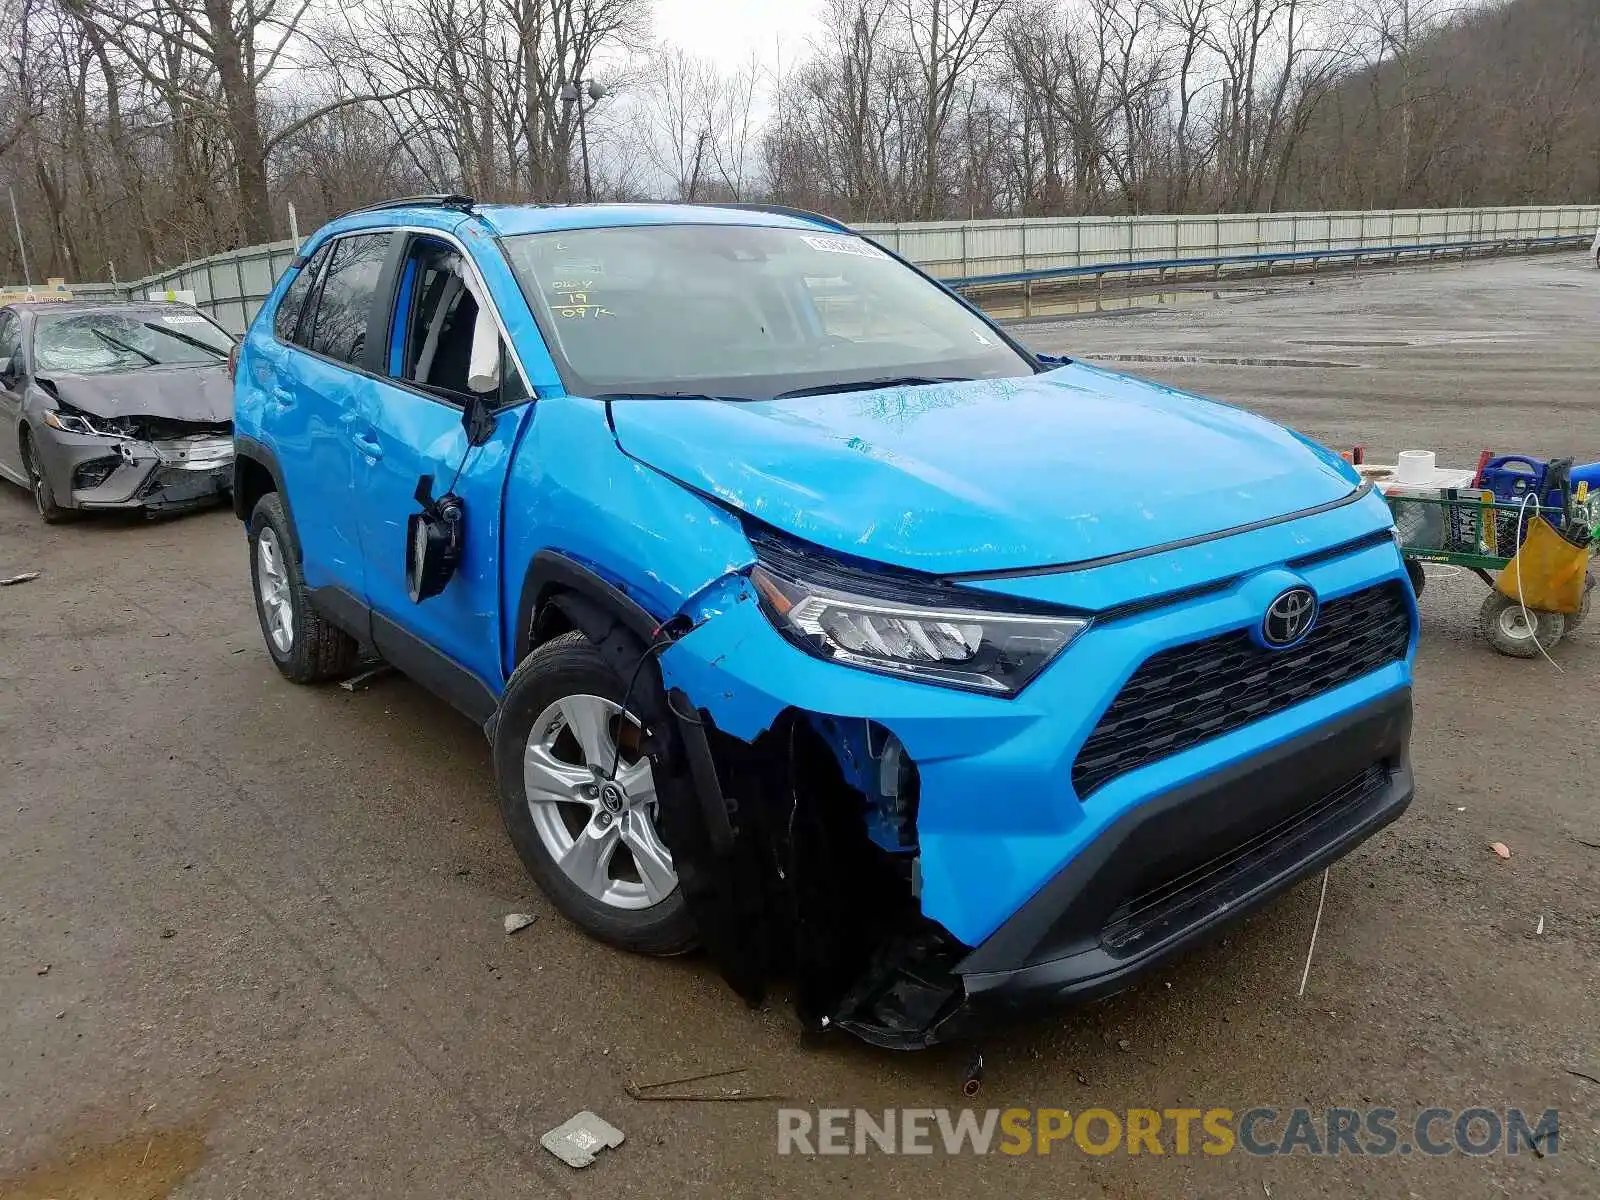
(127, 339)
(744, 311)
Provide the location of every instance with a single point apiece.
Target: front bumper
(1171, 872)
(121, 473)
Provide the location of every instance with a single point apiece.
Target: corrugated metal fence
(973, 249)
(232, 286)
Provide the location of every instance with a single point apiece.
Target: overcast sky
(727, 30)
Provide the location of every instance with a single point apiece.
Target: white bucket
(1415, 467)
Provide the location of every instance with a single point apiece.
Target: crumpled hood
(987, 475)
(200, 394)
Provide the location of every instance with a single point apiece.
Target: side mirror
(434, 539)
(478, 419)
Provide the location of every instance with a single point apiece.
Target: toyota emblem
(1289, 618)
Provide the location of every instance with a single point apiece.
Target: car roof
(511, 219)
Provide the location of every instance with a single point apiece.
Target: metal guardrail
(1217, 261)
(1002, 246)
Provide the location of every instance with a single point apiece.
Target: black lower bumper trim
(1171, 872)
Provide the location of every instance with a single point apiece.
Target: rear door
(319, 391)
(451, 642)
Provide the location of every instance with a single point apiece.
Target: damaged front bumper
(1012, 888)
(95, 472)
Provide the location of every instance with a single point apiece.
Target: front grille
(1193, 693)
(1176, 902)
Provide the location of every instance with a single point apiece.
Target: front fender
(577, 509)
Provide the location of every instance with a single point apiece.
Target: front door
(451, 641)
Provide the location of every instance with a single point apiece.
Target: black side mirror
(478, 419)
(434, 539)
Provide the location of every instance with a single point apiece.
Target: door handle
(366, 441)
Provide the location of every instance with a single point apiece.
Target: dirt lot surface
(250, 934)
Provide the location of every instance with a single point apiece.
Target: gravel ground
(250, 934)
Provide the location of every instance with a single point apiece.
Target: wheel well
(550, 620)
(251, 481)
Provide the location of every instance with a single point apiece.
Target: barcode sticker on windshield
(183, 318)
(843, 245)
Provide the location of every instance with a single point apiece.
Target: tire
(1418, 577)
(44, 496)
(1502, 624)
(307, 648)
(618, 901)
(1573, 620)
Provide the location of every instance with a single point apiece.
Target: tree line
(136, 134)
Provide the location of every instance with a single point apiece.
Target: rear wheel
(579, 800)
(1512, 632)
(44, 497)
(305, 646)
(1573, 620)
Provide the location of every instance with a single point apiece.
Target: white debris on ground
(576, 1141)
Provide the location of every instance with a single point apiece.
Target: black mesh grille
(1167, 903)
(1192, 693)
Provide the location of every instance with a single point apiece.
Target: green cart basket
(1470, 529)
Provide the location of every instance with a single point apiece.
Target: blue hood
(987, 475)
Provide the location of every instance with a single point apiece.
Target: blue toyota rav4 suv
(812, 619)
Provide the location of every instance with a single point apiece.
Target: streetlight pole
(570, 96)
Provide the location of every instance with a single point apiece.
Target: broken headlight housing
(85, 425)
(907, 630)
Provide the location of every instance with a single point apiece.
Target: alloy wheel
(598, 827)
(272, 587)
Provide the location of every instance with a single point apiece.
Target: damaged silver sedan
(115, 406)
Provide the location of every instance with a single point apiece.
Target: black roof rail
(433, 200)
(784, 210)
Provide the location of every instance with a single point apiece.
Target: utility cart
(1450, 520)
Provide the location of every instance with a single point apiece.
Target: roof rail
(433, 200)
(784, 210)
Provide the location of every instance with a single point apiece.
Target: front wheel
(579, 800)
(44, 496)
(1509, 631)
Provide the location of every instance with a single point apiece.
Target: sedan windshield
(744, 312)
(127, 339)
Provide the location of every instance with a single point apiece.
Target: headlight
(80, 424)
(974, 648)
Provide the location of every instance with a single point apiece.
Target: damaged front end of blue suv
(815, 621)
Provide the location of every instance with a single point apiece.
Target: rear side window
(336, 325)
(286, 321)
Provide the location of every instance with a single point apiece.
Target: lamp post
(570, 95)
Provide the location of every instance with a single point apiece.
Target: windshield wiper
(670, 396)
(119, 344)
(870, 385)
(185, 339)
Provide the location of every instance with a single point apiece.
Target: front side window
(744, 311)
(127, 339)
(286, 321)
(336, 323)
(442, 340)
